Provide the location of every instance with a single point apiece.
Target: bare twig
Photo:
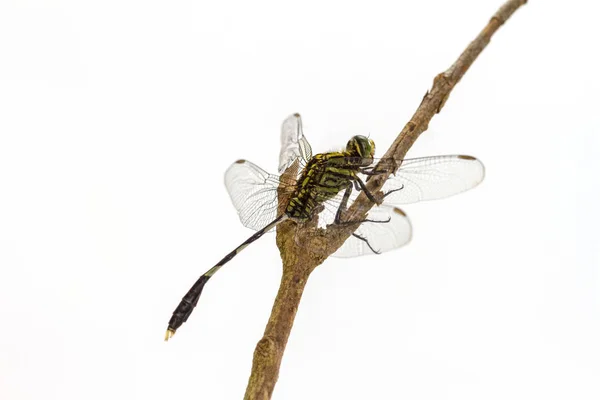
(298, 262)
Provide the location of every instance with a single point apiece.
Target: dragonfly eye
(361, 146)
(372, 143)
(351, 146)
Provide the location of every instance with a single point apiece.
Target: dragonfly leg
(364, 220)
(363, 187)
(371, 171)
(343, 206)
(392, 191)
(364, 239)
(388, 168)
(358, 183)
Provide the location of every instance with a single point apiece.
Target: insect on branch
(298, 262)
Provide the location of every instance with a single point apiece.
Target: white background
(118, 119)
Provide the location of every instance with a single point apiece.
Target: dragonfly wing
(374, 238)
(253, 192)
(293, 143)
(431, 178)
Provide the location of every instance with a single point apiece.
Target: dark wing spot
(399, 211)
(463, 157)
(240, 161)
(297, 115)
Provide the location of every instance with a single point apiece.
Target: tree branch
(300, 261)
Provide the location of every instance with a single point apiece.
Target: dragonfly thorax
(326, 175)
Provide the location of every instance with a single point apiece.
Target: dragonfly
(323, 187)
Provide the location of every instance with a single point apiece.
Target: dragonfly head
(361, 146)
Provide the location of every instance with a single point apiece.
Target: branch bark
(298, 262)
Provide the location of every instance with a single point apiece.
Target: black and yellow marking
(326, 175)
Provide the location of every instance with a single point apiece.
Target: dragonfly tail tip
(169, 334)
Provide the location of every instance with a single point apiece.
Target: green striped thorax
(327, 174)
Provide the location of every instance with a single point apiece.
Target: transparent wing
(431, 178)
(293, 143)
(391, 230)
(417, 179)
(253, 192)
(374, 238)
